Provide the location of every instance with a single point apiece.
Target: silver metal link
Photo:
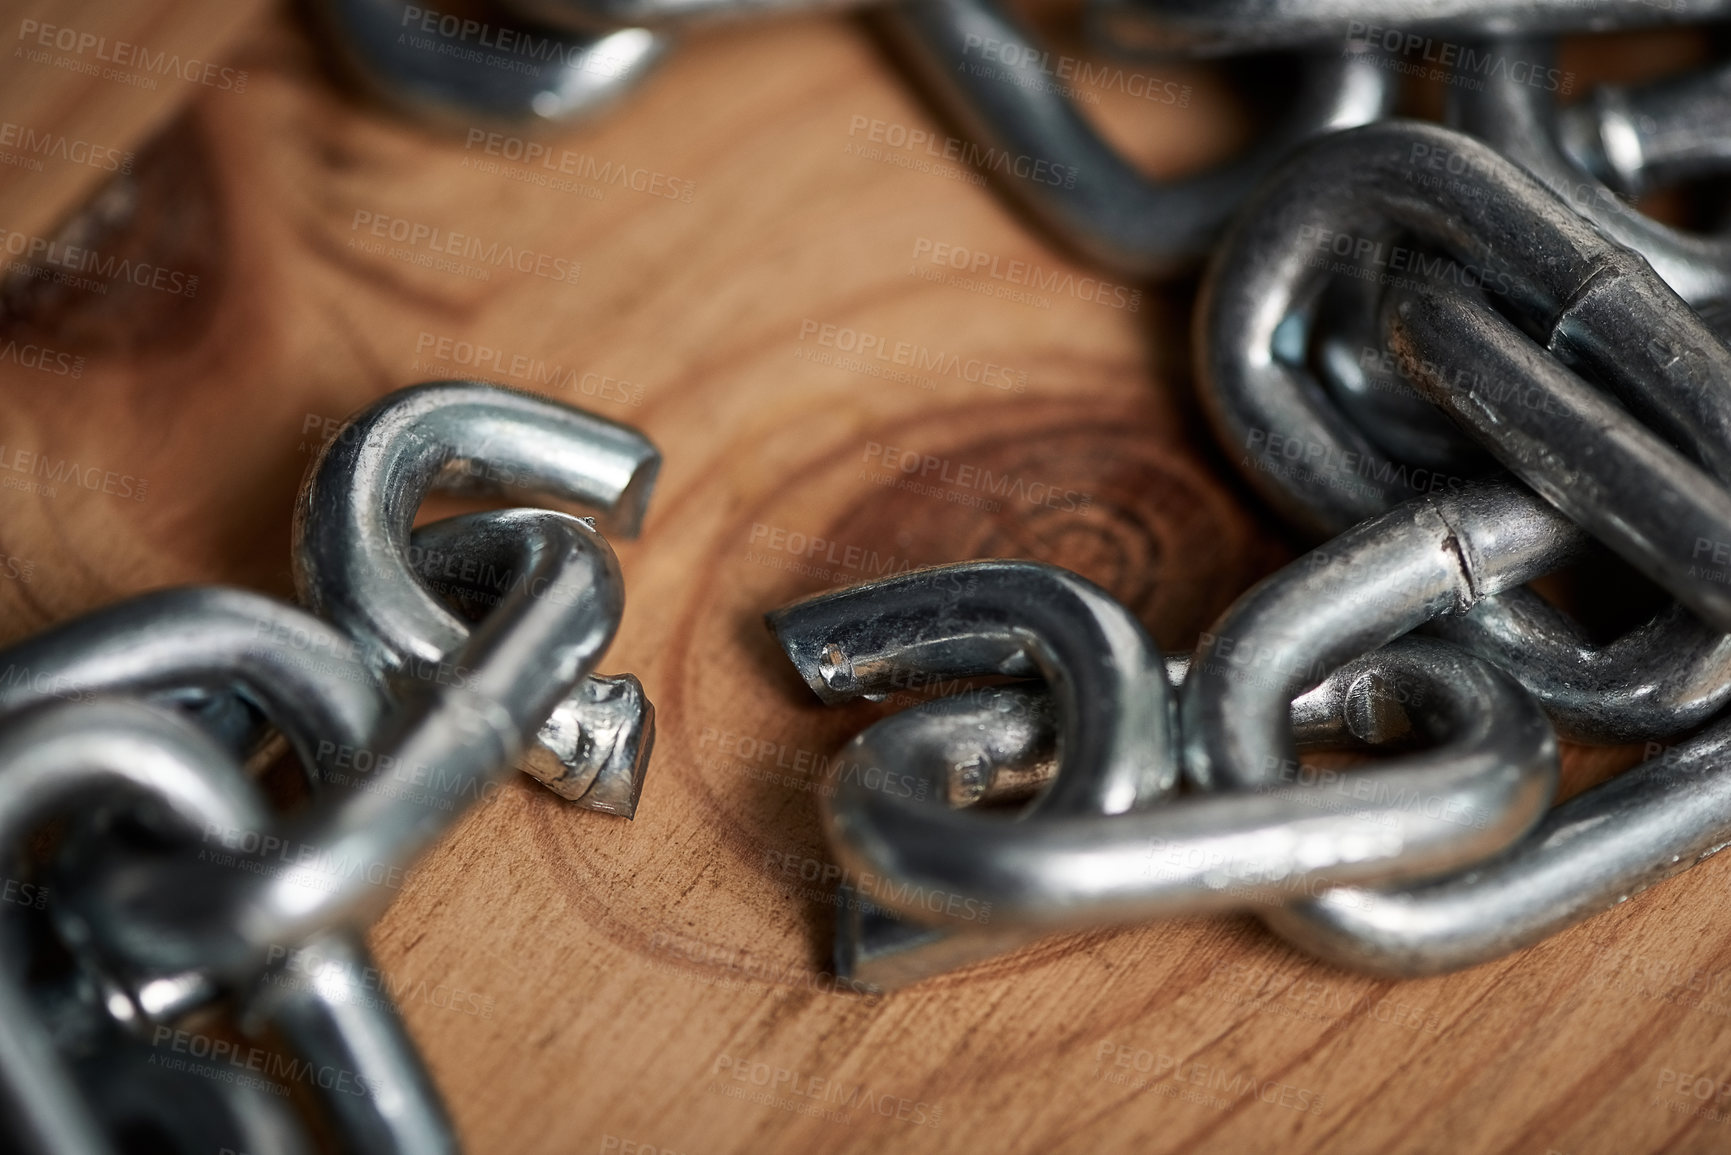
(1086, 194)
(1370, 585)
(1641, 137)
(163, 934)
(56, 757)
(436, 67)
(468, 720)
(1655, 682)
(1499, 227)
(1572, 443)
(594, 748)
(459, 437)
(1107, 688)
(989, 745)
(1520, 121)
(1014, 618)
(305, 679)
(1346, 352)
(223, 642)
(1592, 853)
(1496, 224)
(1082, 865)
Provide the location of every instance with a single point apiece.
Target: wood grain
(609, 976)
(86, 82)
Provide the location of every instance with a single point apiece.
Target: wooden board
(579, 983)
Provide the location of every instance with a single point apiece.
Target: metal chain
(402, 718)
(1614, 414)
(1541, 391)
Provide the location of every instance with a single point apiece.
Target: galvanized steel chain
(210, 987)
(1528, 327)
(1545, 386)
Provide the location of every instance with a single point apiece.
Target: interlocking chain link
(402, 717)
(1544, 387)
(1612, 416)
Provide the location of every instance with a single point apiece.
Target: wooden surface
(579, 983)
(86, 81)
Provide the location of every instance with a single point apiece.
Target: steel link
(1056, 869)
(1497, 222)
(1065, 175)
(1638, 138)
(458, 437)
(1592, 853)
(1572, 443)
(54, 758)
(1107, 688)
(469, 721)
(307, 681)
(1520, 121)
(163, 933)
(446, 70)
